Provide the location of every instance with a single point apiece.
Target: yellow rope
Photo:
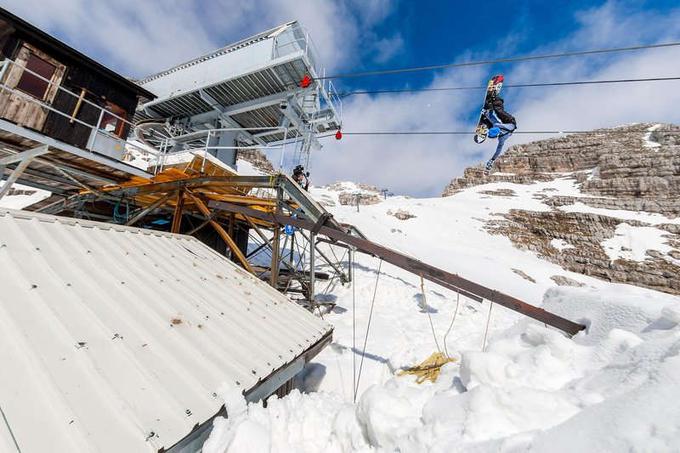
(429, 369)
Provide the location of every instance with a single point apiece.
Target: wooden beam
(232, 225)
(223, 234)
(431, 273)
(24, 159)
(177, 216)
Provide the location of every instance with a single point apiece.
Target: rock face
(352, 199)
(257, 158)
(632, 168)
(401, 214)
(351, 194)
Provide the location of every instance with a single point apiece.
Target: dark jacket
(496, 103)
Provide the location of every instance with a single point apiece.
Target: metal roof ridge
(72, 221)
(221, 51)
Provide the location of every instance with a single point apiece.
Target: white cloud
(387, 48)
(142, 37)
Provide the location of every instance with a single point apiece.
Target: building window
(113, 124)
(30, 83)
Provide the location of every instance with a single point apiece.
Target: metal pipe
(312, 262)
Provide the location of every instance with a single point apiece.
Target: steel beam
(54, 143)
(156, 204)
(431, 273)
(312, 262)
(29, 154)
(215, 104)
(24, 159)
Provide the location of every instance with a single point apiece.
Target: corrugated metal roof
(117, 339)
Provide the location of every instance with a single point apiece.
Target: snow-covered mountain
(611, 388)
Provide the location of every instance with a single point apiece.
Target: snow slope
(613, 387)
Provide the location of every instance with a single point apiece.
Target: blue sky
(138, 37)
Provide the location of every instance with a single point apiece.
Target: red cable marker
(306, 81)
(338, 135)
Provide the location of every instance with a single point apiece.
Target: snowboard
(493, 88)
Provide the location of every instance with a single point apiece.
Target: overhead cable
(514, 85)
(499, 60)
(547, 132)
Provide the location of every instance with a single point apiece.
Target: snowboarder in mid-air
(301, 177)
(494, 121)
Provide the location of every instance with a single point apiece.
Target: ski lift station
(121, 338)
(255, 93)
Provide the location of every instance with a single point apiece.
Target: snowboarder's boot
(488, 167)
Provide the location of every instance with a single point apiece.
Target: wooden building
(52, 88)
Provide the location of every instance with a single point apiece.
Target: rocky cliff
(628, 181)
(257, 158)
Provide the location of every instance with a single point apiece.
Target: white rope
(453, 319)
(486, 330)
(368, 328)
(427, 310)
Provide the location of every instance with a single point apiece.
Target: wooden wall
(74, 76)
(97, 91)
(20, 108)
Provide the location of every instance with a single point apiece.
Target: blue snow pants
(506, 131)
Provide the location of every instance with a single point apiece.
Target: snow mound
(613, 387)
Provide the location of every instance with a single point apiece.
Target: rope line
(499, 60)
(368, 328)
(9, 428)
(514, 85)
(486, 330)
(429, 316)
(453, 319)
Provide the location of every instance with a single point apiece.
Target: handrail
(205, 136)
(59, 87)
(7, 63)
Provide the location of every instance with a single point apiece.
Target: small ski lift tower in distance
(259, 92)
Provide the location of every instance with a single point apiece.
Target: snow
(647, 217)
(612, 387)
(648, 142)
(632, 243)
(246, 168)
(21, 201)
(561, 244)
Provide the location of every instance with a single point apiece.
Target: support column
(312, 262)
(276, 242)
